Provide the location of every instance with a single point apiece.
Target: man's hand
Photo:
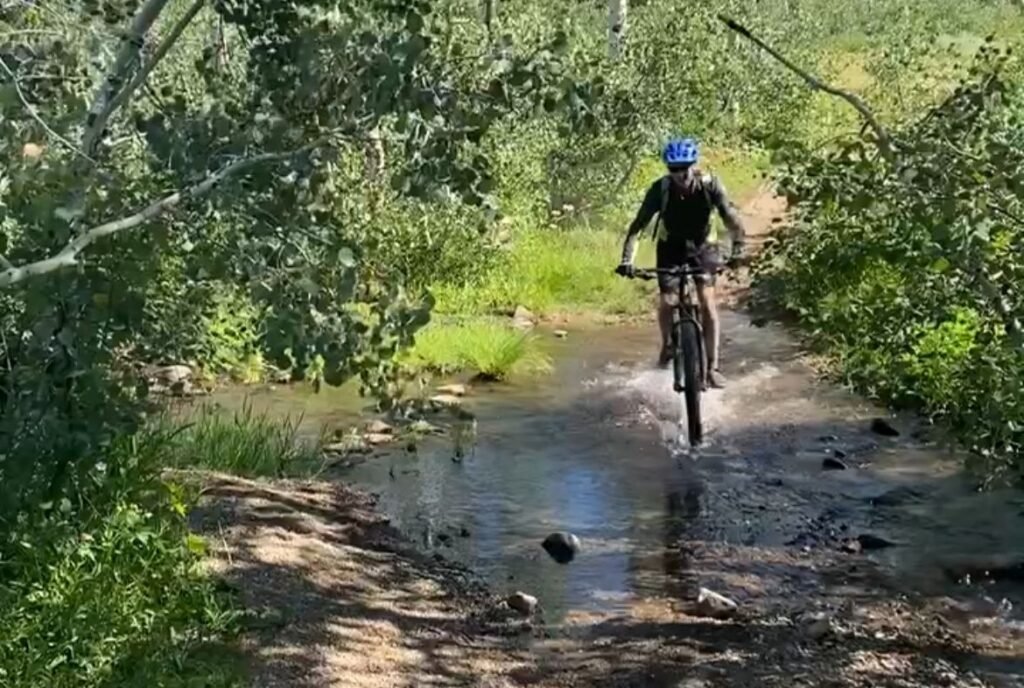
(626, 270)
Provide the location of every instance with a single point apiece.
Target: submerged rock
(715, 606)
(871, 542)
(898, 496)
(833, 464)
(881, 426)
(561, 334)
(522, 603)
(562, 547)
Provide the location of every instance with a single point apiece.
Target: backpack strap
(659, 225)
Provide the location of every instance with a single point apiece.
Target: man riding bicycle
(683, 201)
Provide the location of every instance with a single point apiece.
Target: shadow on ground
(341, 601)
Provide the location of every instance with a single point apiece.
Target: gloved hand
(626, 270)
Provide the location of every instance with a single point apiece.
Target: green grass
(487, 348)
(550, 271)
(243, 443)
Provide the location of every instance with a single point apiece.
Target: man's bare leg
(712, 332)
(666, 302)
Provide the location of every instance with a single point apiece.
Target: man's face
(680, 173)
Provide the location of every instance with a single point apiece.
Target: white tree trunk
(617, 10)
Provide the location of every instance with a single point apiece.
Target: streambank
(889, 571)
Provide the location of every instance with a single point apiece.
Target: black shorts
(705, 258)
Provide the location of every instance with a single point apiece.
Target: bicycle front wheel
(688, 366)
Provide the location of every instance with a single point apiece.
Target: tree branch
(140, 77)
(881, 133)
(68, 256)
(127, 56)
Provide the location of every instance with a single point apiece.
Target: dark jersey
(686, 220)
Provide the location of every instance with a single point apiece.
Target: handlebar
(682, 271)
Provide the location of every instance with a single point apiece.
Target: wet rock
(880, 426)
(523, 319)
(562, 547)
(172, 374)
(870, 542)
(828, 438)
(444, 538)
(561, 334)
(839, 454)
(464, 532)
(453, 390)
(379, 427)
(522, 603)
(445, 401)
(816, 625)
(715, 606)
(422, 427)
(833, 464)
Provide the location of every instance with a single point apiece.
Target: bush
(110, 590)
(910, 273)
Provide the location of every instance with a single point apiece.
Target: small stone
(562, 547)
(454, 390)
(464, 532)
(522, 603)
(839, 454)
(375, 439)
(828, 438)
(881, 426)
(851, 546)
(833, 464)
(715, 606)
(871, 542)
(561, 334)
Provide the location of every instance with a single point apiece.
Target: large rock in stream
(562, 547)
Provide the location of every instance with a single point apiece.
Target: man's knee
(706, 296)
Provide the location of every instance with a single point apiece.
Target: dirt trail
(348, 602)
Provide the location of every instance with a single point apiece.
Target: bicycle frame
(687, 307)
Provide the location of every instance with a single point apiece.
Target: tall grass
(565, 270)
(243, 443)
(489, 349)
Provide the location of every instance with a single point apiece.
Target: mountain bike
(689, 359)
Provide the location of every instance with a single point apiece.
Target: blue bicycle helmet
(680, 152)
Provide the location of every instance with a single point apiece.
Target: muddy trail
(857, 552)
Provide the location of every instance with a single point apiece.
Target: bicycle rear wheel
(687, 366)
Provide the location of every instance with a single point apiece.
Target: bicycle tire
(687, 365)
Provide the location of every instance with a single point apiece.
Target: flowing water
(591, 449)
